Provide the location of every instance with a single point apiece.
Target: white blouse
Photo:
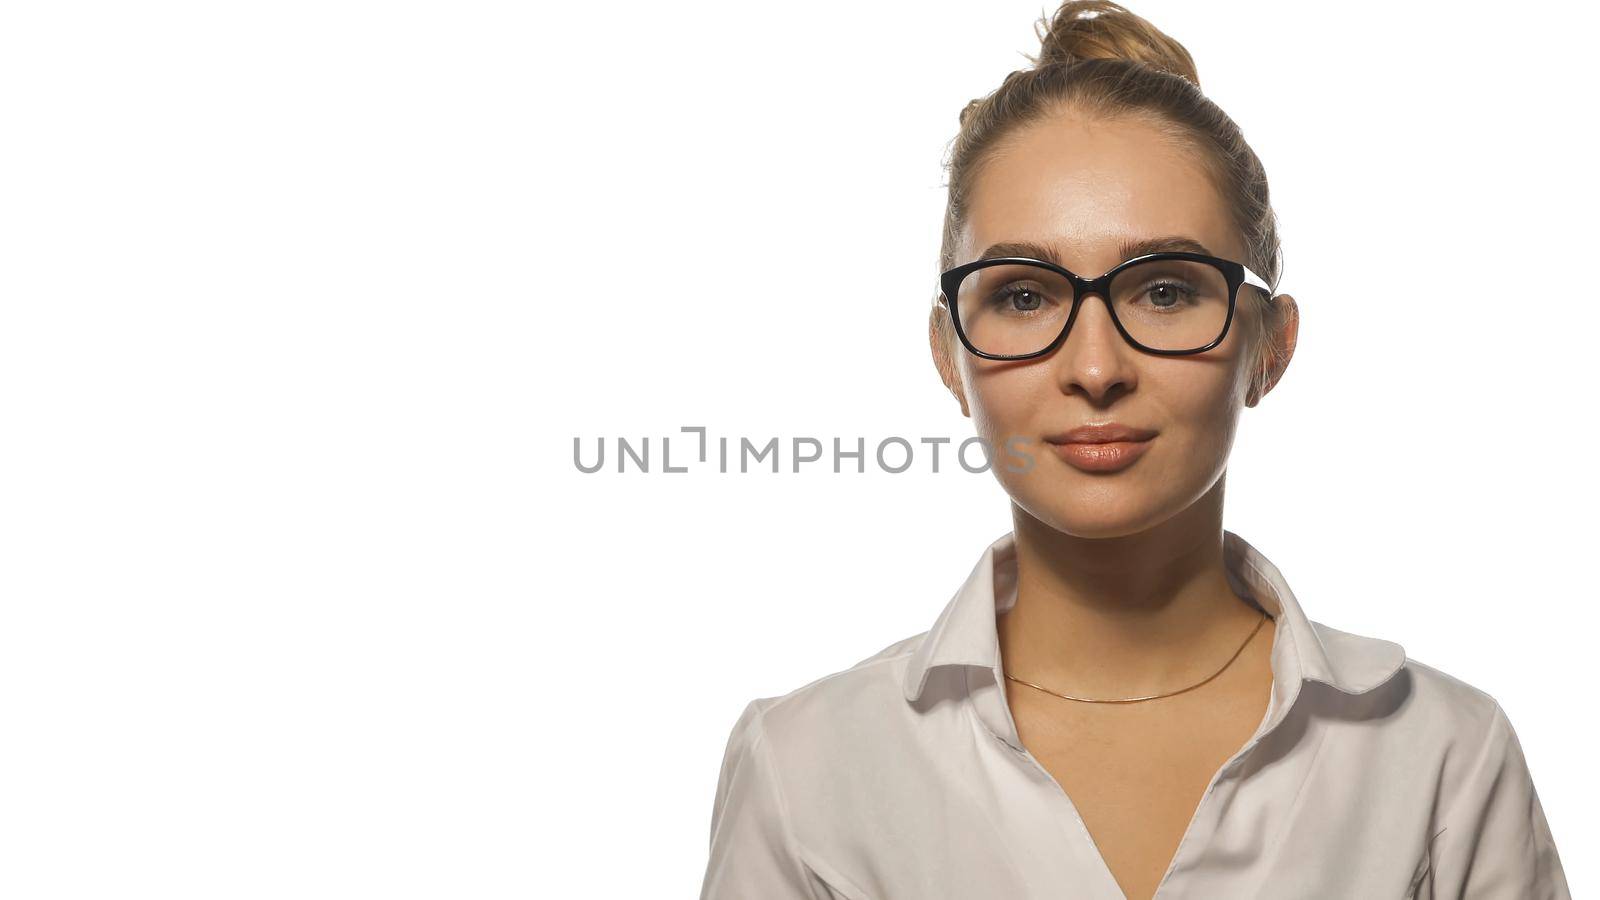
(903, 778)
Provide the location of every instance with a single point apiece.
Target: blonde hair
(1097, 58)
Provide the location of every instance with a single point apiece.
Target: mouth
(1101, 448)
(1105, 433)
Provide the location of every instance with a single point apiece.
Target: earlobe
(940, 341)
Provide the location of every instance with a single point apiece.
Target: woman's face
(1085, 187)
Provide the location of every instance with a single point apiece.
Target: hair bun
(1100, 29)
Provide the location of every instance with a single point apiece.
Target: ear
(1282, 320)
(941, 342)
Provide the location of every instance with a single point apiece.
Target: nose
(1094, 359)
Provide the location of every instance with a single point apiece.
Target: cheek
(1196, 393)
(1207, 392)
(1011, 399)
(1201, 398)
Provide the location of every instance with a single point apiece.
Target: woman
(1124, 699)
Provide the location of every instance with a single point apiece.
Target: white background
(305, 303)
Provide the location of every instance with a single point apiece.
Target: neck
(1115, 616)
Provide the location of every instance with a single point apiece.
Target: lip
(1106, 433)
(1101, 448)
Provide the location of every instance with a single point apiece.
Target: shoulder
(1488, 830)
(795, 766)
(1396, 733)
(844, 732)
(1449, 702)
(1421, 692)
(1464, 720)
(847, 753)
(1382, 701)
(863, 692)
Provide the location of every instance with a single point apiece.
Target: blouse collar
(965, 634)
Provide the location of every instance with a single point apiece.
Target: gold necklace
(1155, 696)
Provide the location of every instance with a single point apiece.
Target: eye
(1019, 297)
(1168, 294)
(1023, 298)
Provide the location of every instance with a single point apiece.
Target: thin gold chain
(1154, 696)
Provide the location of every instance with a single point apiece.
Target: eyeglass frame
(1236, 274)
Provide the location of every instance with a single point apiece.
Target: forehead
(1086, 186)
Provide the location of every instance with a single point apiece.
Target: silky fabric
(902, 778)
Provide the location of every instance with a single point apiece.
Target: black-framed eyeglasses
(1173, 303)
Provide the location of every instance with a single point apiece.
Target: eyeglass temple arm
(1256, 281)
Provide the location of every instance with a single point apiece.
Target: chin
(1082, 516)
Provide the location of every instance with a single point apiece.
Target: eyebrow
(1129, 248)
